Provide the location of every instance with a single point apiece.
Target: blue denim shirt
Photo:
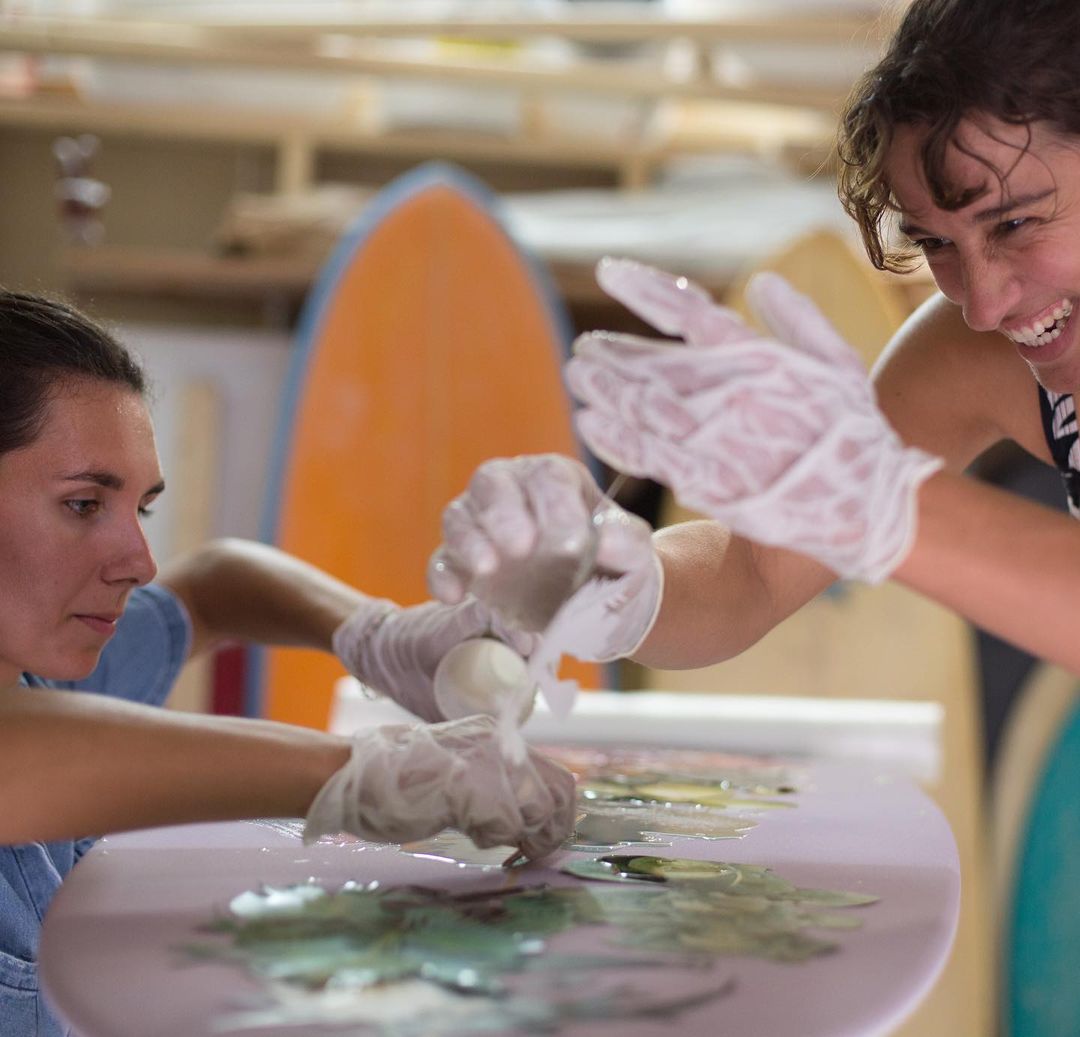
(139, 664)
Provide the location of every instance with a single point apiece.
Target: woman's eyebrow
(102, 478)
(110, 481)
(1013, 203)
(911, 229)
(987, 215)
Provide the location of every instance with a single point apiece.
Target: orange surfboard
(429, 344)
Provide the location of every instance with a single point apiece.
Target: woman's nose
(132, 561)
(991, 291)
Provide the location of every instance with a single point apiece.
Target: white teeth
(1045, 330)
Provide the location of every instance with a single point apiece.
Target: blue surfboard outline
(313, 313)
(1041, 988)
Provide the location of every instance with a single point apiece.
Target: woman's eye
(1009, 226)
(83, 507)
(145, 512)
(928, 245)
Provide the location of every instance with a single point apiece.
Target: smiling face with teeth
(1010, 259)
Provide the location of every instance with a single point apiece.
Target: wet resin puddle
(645, 797)
(412, 960)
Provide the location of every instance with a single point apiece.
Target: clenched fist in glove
(777, 436)
(525, 527)
(403, 783)
(395, 650)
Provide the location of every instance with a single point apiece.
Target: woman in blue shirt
(78, 613)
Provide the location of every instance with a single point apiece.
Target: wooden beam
(325, 133)
(192, 45)
(593, 23)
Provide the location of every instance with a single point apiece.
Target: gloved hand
(779, 438)
(395, 650)
(403, 783)
(548, 506)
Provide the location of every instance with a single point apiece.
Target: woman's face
(72, 546)
(1011, 258)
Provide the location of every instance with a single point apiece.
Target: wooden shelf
(188, 274)
(184, 274)
(298, 139)
(585, 22)
(191, 275)
(691, 128)
(358, 55)
(699, 108)
(692, 108)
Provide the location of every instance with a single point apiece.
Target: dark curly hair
(45, 345)
(1015, 60)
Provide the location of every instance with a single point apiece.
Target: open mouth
(1044, 330)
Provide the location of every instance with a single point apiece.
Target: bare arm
(114, 765)
(1007, 564)
(722, 593)
(243, 589)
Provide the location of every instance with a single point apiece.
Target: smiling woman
(79, 613)
(964, 141)
(962, 145)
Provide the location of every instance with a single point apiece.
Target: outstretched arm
(115, 765)
(242, 589)
(783, 439)
(1009, 565)
(1005, 563)
(722, 593)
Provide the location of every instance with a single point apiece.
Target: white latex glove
(403, 783)
(779, 438)
(395, 650)
(517, 515)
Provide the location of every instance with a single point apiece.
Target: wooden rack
(696, 108)
(704, 108)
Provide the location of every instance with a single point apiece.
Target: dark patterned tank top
(1059, 426)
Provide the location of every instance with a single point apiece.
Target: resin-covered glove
(522, 519)
(403, 783)
(779, 438)
(395, 650)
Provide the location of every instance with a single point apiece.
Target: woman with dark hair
(79, 613)
(963, 146)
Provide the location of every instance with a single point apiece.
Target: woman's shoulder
(956, 391)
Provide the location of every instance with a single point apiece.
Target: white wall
(247, 369)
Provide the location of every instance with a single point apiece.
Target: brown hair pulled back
(45, 345)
